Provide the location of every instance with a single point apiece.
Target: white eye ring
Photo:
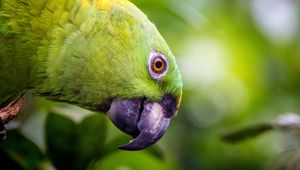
(157, 65)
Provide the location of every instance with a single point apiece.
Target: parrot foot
(8, 113)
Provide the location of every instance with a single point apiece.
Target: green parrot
(101, 55)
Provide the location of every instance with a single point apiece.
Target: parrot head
(129, 72)
(147, 117)
(145, 79)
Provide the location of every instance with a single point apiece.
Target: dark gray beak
(144, 120)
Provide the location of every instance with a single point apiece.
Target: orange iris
(159, 65)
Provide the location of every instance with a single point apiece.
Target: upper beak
(144, 120)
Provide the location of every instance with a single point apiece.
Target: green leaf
(113, 144)
(131, 160)
(156, 152)
(75, 146)
(7, 162)
(61, 141)
(91, 134)
(18, 151)
(247, 133)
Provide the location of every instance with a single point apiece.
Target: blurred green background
(240, 64)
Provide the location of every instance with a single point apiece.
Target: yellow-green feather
(80, 51)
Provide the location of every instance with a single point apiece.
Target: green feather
(80, 51)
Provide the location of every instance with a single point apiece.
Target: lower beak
(144, 120)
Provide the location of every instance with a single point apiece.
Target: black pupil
(158, 64)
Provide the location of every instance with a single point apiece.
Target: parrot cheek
(143, 119)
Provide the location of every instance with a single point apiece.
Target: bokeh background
(240, 64)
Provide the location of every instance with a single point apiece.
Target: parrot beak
(144, 120)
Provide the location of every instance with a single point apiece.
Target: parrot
(101, 55)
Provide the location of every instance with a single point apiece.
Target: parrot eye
(158, 65)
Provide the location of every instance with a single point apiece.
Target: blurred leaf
(75, 146)
(7, 162)
(156, 151)
(91, 137)
(113, 145)
(131, 161)
(61, 141)
(23, 152)
(286, 121)
(247, 133)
